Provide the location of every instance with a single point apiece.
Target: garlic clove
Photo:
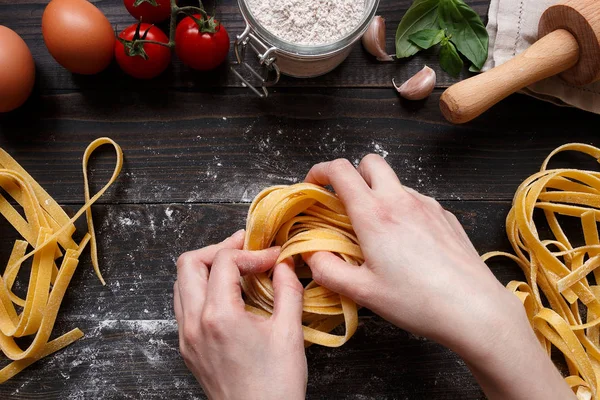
(374, 39)
(419, 86)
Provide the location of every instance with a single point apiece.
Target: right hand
(421, 271)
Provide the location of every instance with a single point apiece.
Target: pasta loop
(48, 230)
(566, 274)
(303, 218)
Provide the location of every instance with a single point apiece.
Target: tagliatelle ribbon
(567, 275)
(46, 228)
(303, 218)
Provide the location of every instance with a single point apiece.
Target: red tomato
(131, 58)
(201, 47)
(151, 11)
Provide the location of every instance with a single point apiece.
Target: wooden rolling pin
(569, 45)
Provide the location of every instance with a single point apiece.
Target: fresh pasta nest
(48, 230)
(303, 218)
(565, 273)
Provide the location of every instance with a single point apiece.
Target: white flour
(308, 22)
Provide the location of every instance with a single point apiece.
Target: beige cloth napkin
(513, 26)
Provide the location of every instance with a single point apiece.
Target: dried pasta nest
(303, 218)
(565, 273)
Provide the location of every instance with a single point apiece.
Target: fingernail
(239, 233)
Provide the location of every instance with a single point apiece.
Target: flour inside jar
(308, 22)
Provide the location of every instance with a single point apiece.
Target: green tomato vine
(205, 23)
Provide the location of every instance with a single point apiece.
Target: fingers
(343, 177)
(353, 185)
(207, 254)
(192, 277)
(288, 293)
(224, 290)
(335, 274)
(378, 174)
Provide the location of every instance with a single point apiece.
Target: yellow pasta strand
(303, 218)
(568, 276)
(46, 228)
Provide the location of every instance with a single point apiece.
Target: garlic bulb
(419, 86)
(374, 39)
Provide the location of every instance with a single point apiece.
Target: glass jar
(276, 56)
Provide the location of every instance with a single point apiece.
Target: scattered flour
(308, 22)
(377, 148)
(141, 326)
(125, 221)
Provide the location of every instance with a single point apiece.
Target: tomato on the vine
(151, 11)
(142, 60)
(201, 43)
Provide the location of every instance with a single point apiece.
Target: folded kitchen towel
(513, 26)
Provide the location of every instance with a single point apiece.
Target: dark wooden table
(198, 148)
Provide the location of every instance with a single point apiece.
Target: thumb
(335, 274)
(288, 294)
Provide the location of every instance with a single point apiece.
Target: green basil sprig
(466, 30)
(421, 15)
(450, 61)
(450, 23)
(427, 38)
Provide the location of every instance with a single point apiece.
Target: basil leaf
(427, 37)
(465, 29)
(450, 61)
(422, 14)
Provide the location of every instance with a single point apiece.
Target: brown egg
(17, 70)
(78, 36)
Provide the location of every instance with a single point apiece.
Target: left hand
(232, 353)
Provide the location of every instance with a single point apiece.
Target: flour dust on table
(308, 22)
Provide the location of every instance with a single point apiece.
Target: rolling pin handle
(554, 53)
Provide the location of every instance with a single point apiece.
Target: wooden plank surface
(131, 348)
(226, 146)
(196, 143)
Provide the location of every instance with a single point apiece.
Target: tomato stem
(173, 22)
(193, 9)
(154, 42)
(175, 11)
(138, 3)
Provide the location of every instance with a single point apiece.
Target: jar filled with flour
(299, 38)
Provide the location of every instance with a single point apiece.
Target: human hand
(421, 271)
(232, 353)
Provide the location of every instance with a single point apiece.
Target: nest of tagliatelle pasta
(561, 294)
(303, 218)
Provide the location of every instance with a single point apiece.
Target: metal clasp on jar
(266, 58)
